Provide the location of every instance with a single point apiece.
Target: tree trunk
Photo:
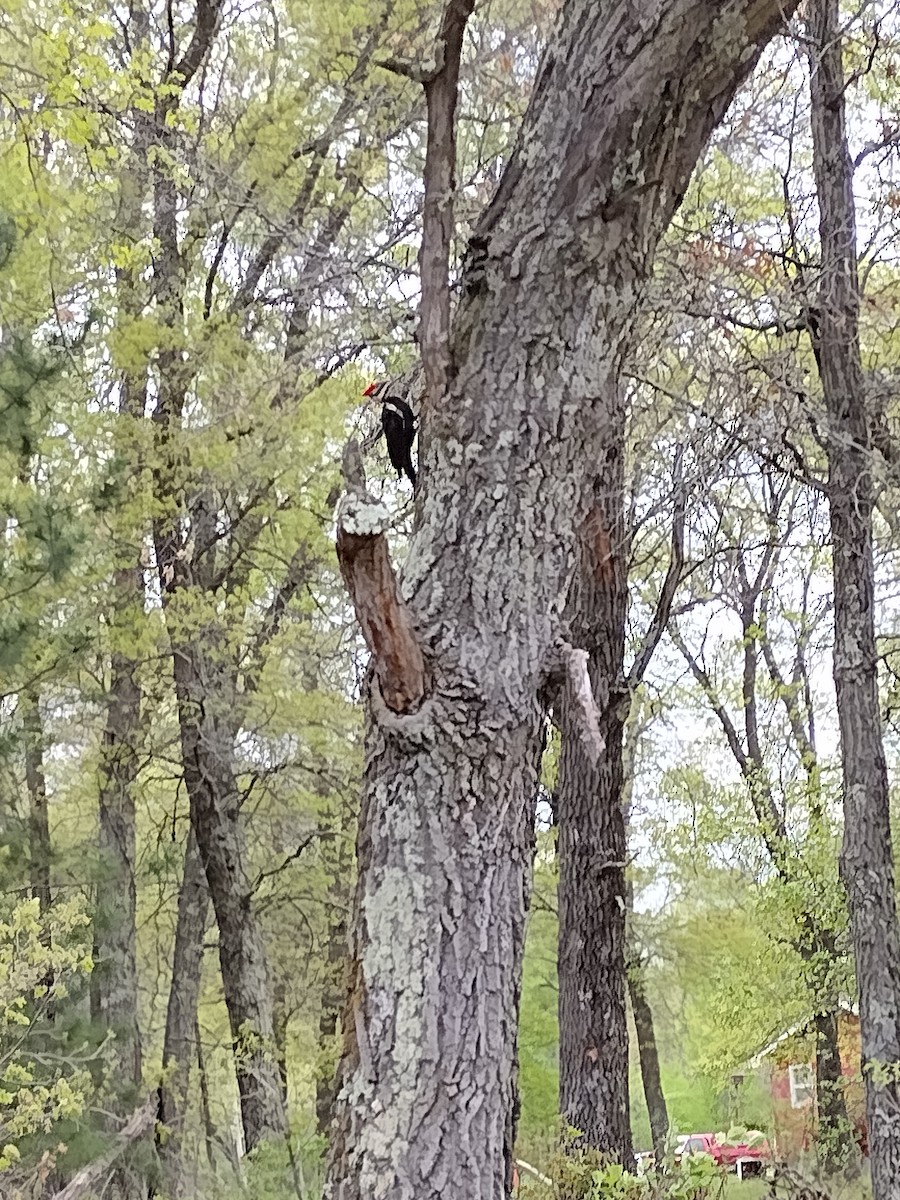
(593, 1023)
(39, 846)
(115, 920)
(648, 1054)
(433, 1082)
(114, 982)
(834, 1145)
(203, 667)
(280, 1020)
(40, 849)
(207, 746)
(334, 981)
(623, 106)
(866, 861)
(181, 1016)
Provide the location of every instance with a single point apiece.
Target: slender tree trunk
(114, 980)
(593, 1023)
(280, 1022)
(209, 1129)
(334, 981)
(115, 920)
(181, 1016)
(204, 673)
(866, 858)
(835, 1146)
(648, 1054)
(39, 847)
(622, 108)
(207, 744)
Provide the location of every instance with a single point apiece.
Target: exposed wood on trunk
(866, 860)
(367, 571)
(624, 99)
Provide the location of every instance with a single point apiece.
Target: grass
(745, 1189)
(758, 1189)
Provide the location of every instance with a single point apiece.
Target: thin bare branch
(660, 620)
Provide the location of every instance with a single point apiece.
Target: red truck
(730, 1155)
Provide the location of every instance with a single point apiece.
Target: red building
(788, 1070)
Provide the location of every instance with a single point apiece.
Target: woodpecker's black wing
(399, 427)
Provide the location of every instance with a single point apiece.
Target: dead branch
(368, 573)
(85, 1180)
(660, 620)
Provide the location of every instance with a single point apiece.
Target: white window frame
(802, 1083)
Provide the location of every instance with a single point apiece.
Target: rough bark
(866, 861)
(181, 1017)
(593, 805)
(593, 1026)
(623, 106)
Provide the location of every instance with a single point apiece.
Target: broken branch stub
(367, 571)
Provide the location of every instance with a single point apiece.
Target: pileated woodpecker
(399, 427)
